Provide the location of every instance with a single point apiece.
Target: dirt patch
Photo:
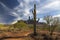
(23, 35)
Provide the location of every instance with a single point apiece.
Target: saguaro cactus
(34, 18)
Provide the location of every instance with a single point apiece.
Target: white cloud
(15, 20)
(46, 8)
(25, 8)
(7, 11)
(49, 7)
(21, 4)
(53, 5)
(56, 15)
(28, 1)
(27, 12)
(42, 20)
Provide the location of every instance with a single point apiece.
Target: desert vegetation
(24, 31)
(20, 29)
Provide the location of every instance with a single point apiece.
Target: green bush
(20, 25)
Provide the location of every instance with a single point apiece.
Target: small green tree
(48, 19)
(55, 24)
(52, 23)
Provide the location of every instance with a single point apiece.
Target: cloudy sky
(13, 10)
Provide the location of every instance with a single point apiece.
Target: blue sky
(13, 10)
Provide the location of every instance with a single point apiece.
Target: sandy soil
(20, 35)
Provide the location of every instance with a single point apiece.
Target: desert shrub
(30, 26)
(2, 27)
(20, 25)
